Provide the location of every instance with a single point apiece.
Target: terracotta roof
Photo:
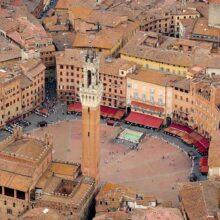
(68, 4)
(63, 169)
(70, 57)
(15, 181)
(32, 67)
(183, 84)
(154, 77)
(29, 149)
(200, 199)
(163, 213)
(166, 52)
(80, 12)
(201, 27)
(18, 168)
(104, 18)
(63, 40)
(135, 48)
(104, 39)
(113, 67)
(76, 57)
(8, 24)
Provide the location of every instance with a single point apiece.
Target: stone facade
(214, 14)
(22, 89)
(90, 95)
(113, 72)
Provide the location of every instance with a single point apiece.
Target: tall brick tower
(90, 96)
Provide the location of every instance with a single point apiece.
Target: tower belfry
(90, 96)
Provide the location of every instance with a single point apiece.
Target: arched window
(89, 77)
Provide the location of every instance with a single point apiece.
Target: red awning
(146, 120)
(105, 111)
(203, 161)
(181, 128)
(109, 112)
(205, 142)
(75, 107)
(147, 106)
(204, 169)
(200, 147)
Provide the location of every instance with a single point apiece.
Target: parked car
(25, 122)
(42, 124)
(9, 129)
(193, 177)
(38, 112)
(192, 154)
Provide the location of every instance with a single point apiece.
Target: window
(152, 98)
(20, 195)
(135, 94)
(152, 91)
(14, 204)
(9, 211)
(160, 99)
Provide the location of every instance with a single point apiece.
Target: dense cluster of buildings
(26, 54)
(30, 179)
(142, 67)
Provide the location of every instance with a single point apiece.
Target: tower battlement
(91, 88)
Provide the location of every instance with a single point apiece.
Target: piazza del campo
(110, 109)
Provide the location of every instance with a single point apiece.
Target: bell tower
(90, 96)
